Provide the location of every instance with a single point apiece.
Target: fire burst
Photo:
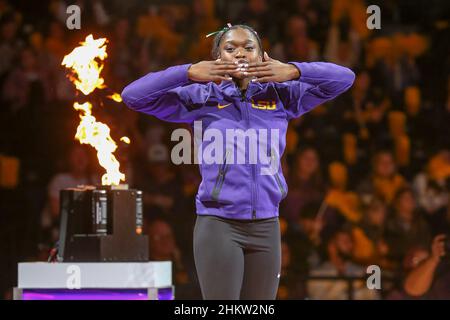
(86, 65)
(83, 62)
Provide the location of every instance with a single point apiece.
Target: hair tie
(228, 26)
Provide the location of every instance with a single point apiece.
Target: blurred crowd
(368, 173)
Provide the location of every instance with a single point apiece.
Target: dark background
(400, 170)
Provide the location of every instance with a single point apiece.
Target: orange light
(125, 139)
(116, 97)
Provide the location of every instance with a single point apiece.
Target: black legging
(237, 259)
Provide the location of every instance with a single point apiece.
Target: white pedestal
(103, 280)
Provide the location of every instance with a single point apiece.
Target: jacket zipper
(244, 99)
(220, 179)
(278, 179)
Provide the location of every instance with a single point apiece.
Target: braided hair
(219, 35)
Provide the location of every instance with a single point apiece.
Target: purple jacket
(230, 190)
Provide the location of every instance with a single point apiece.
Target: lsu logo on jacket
(264, 105)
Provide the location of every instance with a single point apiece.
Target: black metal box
(101, 224)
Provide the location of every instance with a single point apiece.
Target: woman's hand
(271, 70)
(206, 71)
(438, 247)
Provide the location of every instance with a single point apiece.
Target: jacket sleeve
(162, 94)
(318, 83)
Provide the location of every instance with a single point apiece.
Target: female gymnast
(236, 234)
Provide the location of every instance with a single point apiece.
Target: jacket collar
(230, 89)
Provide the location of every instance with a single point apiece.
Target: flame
(83, 62)
(97, 134)
(86, 64)
(125, 139)
(116, 97)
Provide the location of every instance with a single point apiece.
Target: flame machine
(102, 224)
